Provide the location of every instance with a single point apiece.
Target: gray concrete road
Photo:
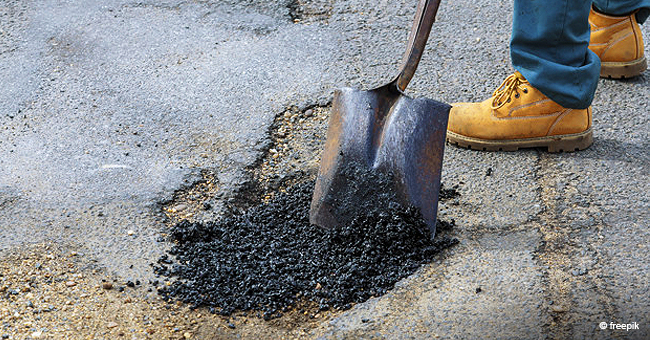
(109, 107)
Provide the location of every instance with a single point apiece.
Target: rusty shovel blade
(383, 131)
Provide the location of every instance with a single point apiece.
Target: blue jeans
(549, 45)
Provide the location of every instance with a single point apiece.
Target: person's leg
(624, 7)
(549, 47)
(547, 102)
(616, 36)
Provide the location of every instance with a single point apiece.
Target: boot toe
(461, 118)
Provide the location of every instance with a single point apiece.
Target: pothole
(263, 259)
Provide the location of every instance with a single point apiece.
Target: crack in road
(573, 267)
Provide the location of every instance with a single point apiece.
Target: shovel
(383, 131)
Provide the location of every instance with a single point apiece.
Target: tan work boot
(519, 116)
(618, 43)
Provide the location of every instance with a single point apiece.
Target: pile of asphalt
(269, 258)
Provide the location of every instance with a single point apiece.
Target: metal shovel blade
(383, 131)
(393, 134)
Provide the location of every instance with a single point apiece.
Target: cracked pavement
(107, 109)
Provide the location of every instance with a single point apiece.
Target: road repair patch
(269, 259)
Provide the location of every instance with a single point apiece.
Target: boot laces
(509, 87)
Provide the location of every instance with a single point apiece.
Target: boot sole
(562, 143)
(620, 70)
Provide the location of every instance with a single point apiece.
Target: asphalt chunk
(269, 258)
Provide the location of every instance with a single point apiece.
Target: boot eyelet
(516, 95)
(525, 90)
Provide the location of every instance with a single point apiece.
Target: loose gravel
(50, 293)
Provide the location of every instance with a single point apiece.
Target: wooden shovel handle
(424, 17)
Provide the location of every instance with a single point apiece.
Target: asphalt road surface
(107, 108)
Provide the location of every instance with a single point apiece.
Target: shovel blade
(385, 132)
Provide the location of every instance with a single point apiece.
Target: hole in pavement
(263, 258)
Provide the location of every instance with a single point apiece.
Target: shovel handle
(424, 17)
